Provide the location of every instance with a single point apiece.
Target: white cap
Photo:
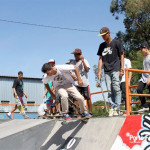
(51, 60)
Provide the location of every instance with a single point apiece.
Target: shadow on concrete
(57, 138)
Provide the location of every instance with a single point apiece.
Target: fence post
(128, 104)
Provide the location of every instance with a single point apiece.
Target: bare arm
(100, 64)
(78, 76)
(25, 94)
(73, 76)
(15, 94)
(122, 64)
(130, 76)
(45, 93)
(85, 66)
(50, 91)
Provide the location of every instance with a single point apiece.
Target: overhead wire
(47, 26)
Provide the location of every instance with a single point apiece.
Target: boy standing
(111, 52)
(127, 64)
(83, 67)
(145, 79)
(18, 94)
(63, 84)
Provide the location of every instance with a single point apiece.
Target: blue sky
(27, 48)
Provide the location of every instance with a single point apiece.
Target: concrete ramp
(24, 134)
(41, 134)
(97, 134)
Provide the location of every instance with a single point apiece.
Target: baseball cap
(103, 31)
(144, 44)
(51, 61)
(69, 61)
(77, 51)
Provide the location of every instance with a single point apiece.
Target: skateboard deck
(65, 122)
(50, 116)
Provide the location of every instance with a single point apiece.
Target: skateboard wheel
(64, 123)
(85, 121)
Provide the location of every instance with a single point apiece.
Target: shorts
(17, 102)
(58, 99)
(49, 103)
(84, 91)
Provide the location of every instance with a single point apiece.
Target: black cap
(144, 45)
(104, 31)
(20, 72)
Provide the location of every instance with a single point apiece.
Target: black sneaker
(86, 115)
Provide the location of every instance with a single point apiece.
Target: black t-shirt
(18, 85)
(111, 55)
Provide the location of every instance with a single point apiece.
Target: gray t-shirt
(83, 73)
(146, 66)
(62, 77)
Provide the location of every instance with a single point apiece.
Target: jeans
(123, 89)
(113, 87)
(140, 90)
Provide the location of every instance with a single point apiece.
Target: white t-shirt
(83, 73)
(41, 109)
(62, 77)
(146, 66)
(127, 64)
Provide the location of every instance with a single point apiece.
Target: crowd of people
(71, 79)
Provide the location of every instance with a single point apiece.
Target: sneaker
(86, 115)
(66, 117)
(143, 109)
(57, 114)
(91, 114)
(24, 108)
(8, 116)
(115, 113)
(125, 113)
(111, 112)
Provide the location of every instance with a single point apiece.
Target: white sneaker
(115, 113)
(111, 112)
(143, 109)
(8, 116)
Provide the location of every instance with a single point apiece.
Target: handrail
(128, 89)
(97, 92)
(24, 104)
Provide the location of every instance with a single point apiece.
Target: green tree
(99, 111)
(136, 21)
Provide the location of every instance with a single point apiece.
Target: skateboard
(50, 116)
(99, 85)
(65, 122)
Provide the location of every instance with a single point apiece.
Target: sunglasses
(77, 54)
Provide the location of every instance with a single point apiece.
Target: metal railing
(128, 90)
(12, 105)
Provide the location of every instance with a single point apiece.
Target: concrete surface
(24, 134)
(38, 134)
(97, 134)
